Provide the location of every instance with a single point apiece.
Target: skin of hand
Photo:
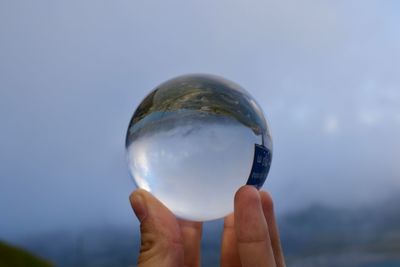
(250, 236)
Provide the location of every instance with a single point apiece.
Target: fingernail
(139, 207)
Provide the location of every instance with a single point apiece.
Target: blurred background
(326, 73)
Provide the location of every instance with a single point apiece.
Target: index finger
(229, 250)
(191, 235)
(253, 240)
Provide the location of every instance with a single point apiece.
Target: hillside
(15, 257)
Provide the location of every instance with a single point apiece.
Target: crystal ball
(194, 141)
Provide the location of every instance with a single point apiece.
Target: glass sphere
(194, 140)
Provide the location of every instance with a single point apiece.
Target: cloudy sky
(326, 73)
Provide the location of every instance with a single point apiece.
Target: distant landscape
(324, 73)
(11, 256)
(316, 236)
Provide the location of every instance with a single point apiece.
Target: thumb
(161, 241)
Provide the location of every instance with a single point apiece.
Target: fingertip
(247, 193)
(249, 218)
(131, 196)
(229, 221)
(135, 192)
(138, 193)
(138, 204)
(267, 201)
(247, 188)
(145, 195)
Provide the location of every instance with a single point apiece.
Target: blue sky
(326, 74)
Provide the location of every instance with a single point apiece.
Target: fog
(72, 72)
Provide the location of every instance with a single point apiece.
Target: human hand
(250, 236)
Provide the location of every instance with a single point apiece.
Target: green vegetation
(16, 257)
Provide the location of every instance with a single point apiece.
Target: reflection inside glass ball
(194, 140)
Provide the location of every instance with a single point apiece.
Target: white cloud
(330, 125)
(370, 117)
